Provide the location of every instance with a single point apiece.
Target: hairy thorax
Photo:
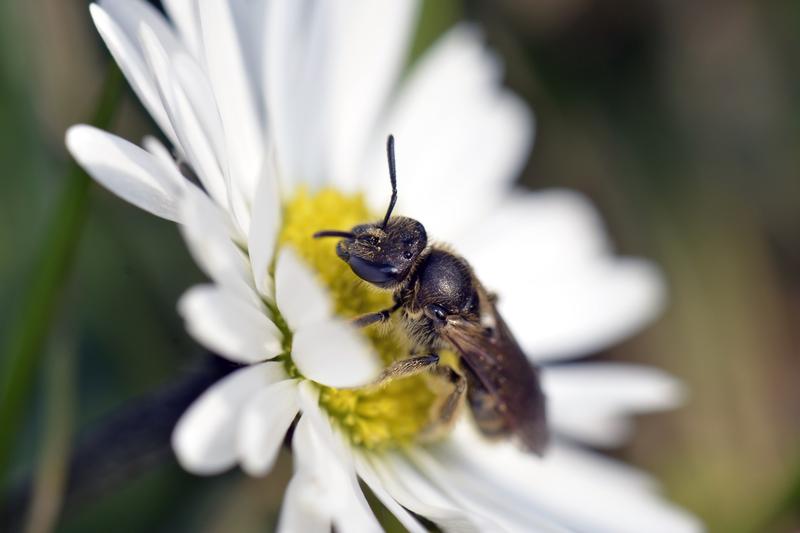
(443, 279)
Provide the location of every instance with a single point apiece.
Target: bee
(443, 306)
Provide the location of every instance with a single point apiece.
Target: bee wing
(505, 394)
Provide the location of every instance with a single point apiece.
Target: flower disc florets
(375, 417)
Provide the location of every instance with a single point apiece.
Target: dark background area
(680, 119)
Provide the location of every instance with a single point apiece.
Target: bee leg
(459, 388)
(446, 412)
(407, 367)
(378, 316)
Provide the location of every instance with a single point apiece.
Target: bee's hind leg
(453, 400)
(446, 411)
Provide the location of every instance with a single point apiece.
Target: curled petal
(126, 170)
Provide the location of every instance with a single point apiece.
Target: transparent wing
(505, 393)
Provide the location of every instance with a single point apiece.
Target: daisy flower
(280, 109)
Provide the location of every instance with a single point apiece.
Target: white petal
(592, 401)
(264, 228)
(234, 94)
(208, 234)
(367, 46)
(263, 427)
(300, 511)
(204, 438)
(300, 297)
(552, 231)
(561, 290)
(308, 394)
(367, 473)
(324, 462)
(286, 26)
(130, 14)
(229, 326)
(322, 44)
(312, 440)
(165, 160)
(125, 169)
(119, 34)
(591, 476)
(184, 13)
(191, 109)
(417, 494)
(297, 62)
(335, 354)
(559, 318)
(461, 138)
(194, 107)
(317, 491)
(482, 495)
(250, 19)
(583, 491)
(494, 501)
(605, 430)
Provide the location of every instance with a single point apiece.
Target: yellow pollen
(377, 418)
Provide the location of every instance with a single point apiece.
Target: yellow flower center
(377, 418)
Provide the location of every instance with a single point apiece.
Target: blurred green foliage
(679, 119)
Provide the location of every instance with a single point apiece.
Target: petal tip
(76, 136)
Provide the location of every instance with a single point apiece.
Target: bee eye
(438, 311)
(407, 254)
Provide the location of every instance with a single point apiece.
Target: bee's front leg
(379, 316)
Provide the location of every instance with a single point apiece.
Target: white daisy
(281, 107)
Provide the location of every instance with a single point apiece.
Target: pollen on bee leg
(374, 418)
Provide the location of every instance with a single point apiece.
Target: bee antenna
(392, 177)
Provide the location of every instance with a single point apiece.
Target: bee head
(384, 252)
(383, 255)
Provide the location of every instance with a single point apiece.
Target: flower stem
(57, 431)
(23, 346)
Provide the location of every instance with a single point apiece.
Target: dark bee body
(442, 305)
(503, 389)
(441, 279)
